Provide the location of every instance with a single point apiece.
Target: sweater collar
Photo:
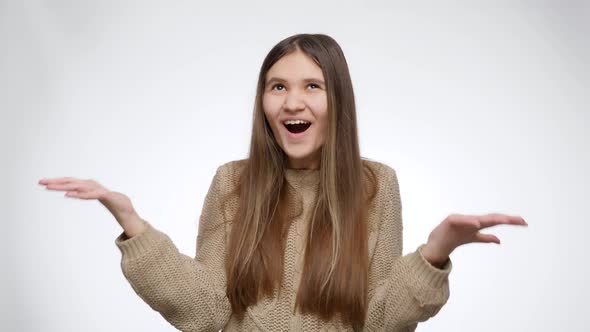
(302, 178)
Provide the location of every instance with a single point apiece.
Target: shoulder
(383, 173)
(382, 184)
(228, 174)
(385, 204)
(376, 165)
(232, 166)
(223, 191)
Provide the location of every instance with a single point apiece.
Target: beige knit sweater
(190, 292)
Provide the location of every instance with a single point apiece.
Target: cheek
(323, 127)
(271, 112)
(271, 105)
(320, 107)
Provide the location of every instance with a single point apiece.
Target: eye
(313, 84)
(276, 85)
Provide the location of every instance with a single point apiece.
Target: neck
(309, 162)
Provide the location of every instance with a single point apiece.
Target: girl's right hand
(117, 203)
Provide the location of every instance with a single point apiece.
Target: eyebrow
(278, 79)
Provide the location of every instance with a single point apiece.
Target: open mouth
(296, 126)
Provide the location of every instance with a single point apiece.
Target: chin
(298, 156)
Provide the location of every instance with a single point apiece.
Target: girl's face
(296, 107)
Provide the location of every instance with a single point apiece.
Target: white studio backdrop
(479, 106)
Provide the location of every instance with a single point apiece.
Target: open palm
(459, 229)
(117, 203)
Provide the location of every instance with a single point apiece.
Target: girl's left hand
(459, 229)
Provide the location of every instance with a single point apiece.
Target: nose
(294, 102)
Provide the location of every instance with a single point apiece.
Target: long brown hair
(335, 273)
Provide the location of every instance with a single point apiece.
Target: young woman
(303, 235)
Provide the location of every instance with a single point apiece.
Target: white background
(480, 107)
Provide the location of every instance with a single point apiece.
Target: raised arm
(406, 289)
(189, 293)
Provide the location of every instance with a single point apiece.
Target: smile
(297, 126)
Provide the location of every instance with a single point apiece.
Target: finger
(493, 219)
(464, 221)
(485, 238)
(56, 180)
(68, 186)
(83, 195)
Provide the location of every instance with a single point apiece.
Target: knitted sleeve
(189, 293)
(408, 289)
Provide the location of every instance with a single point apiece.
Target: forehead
(294, 67)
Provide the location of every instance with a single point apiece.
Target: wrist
(434, 256)
(132, 225)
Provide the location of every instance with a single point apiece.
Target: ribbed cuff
(141, 243)
(426, 273)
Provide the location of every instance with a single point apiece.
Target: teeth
(290, 122)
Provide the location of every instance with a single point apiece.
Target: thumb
(485, 238)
